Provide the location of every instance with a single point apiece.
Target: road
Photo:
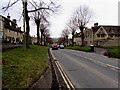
(88, 70)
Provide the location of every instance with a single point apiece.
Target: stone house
(77, 39)
(100, 35)
(88, 36)
(106, 35)
(9, 29)
(34, 40)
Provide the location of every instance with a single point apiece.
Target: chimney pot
(14, 20)
(95, 24)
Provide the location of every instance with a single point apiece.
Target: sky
(105, 12)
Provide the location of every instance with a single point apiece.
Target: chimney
(14, 20)
(95, 25)
(8, 16)
(8, 21)
(86, 28)
(14, 23)
(19, 28)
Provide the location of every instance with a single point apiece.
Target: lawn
(21, 68)
(84, 48)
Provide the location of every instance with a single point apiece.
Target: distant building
(105, 35)
(77, 39)
(9, 30)
(34, 40)
(88, 36)
(100, 35)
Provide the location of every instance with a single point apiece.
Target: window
(102, 35)
(98, 35)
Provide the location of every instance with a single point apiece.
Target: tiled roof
(9, 26)
(109, 29)
(112, 29)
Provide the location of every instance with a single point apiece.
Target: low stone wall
(101, 51)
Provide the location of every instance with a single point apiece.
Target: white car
(61, 46)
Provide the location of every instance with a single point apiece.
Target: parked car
(55, 47)
(61, 46)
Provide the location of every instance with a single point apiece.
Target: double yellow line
(63, 74)
(65, 77)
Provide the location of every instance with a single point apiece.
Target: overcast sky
(105, 12)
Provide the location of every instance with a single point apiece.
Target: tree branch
(9, 5)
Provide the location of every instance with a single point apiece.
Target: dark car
(61, 46)
(55, 47)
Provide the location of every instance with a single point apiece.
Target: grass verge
(113, 51)
(84, 48)
(21, 68)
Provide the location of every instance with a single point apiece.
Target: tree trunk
(82, 35)
(37, 21)
(44, 40)
(67, 40)
(73, 39)
(42, 36)
(27, 24)
(41, 39)
(38, 35)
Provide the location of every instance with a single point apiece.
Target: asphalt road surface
(88, 70)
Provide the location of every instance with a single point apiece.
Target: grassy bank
(114, 51)
(21, 68)
(84, 48)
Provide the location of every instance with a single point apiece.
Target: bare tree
(73, 28)
(50, 7)
(39, 17)
(61, 40)
(82, 17)
(46, 35)
(65, 34)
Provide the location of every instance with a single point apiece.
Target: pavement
(5, 47)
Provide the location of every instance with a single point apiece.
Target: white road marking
(98, 62)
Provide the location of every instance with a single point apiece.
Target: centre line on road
(101, 63)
